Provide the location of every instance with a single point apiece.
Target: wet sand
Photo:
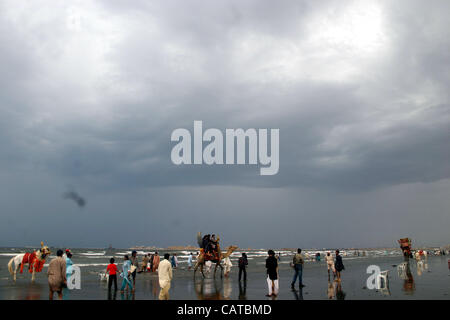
(430, 282)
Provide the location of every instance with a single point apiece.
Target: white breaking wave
(91, 253)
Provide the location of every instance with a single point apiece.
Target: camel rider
(207, 243)
(213, 243)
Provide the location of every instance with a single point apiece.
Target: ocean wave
(91, 253)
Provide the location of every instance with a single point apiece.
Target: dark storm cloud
(90, 94)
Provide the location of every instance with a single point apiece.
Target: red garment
(112, 268)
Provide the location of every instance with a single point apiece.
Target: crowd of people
(60, 269)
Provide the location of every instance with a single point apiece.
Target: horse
(35, 261)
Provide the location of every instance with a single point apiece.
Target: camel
(201, 257)
(35, 261)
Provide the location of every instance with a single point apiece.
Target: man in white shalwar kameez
(227, 266)
(165, 277)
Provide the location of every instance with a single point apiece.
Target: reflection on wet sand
(421, 267)
(112, 294)
(227, 288)
(127, 295)
(31, 291)
(404, 272)
(340, 294)
(154, 287)
(243, 290)
(209, 289)
(330, 290)
(298, 295)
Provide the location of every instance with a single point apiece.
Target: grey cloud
(94, 105)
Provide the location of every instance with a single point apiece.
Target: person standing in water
(339, 266)
(272, 274)
(242, 263)
(227, 266)
(330, 264)
(111, 269)
(152, 257)
(135, 263)
(190, 261)
(174, 261)
(57, 275)
(144, 263)
(156, 260)
(165, 277)
(297, 264)
(126, 271)
(69, 263)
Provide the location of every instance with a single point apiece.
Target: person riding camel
(210, 246)
(205, 242)
(213, 244)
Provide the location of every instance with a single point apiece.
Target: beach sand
(430, 282)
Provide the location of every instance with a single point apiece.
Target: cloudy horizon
(91, 92)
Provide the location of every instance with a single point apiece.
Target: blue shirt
(126, 267)
(69, 268)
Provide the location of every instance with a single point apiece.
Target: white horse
(35, 261)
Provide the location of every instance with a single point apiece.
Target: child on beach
(111, 269)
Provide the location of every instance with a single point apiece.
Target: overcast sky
(90, 93)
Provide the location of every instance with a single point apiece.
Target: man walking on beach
(156, 262)
(144, 263)
(165, 277)
(242, 263)
(338, 265)
(272, 274)
(57, 275)
(330, 264)
(297, 263)
(135, 263)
